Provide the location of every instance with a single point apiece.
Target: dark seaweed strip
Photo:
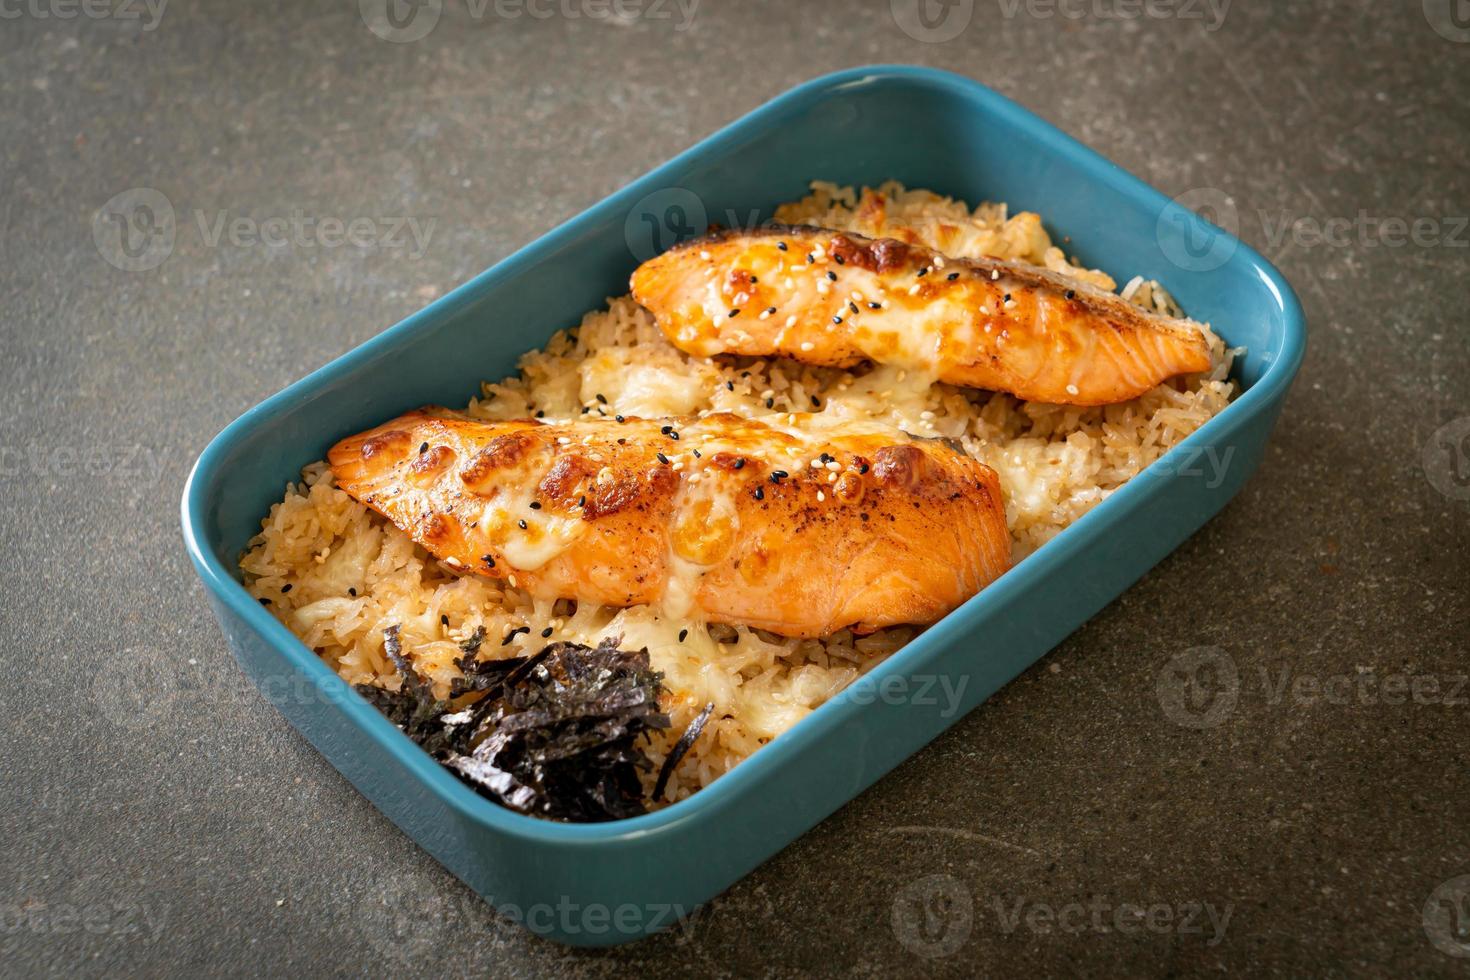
(560, 734)
(686, 741)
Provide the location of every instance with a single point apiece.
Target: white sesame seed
(1071, 389)
(834, 466)
(718, 319)
(821, 496)
(926, 414)
(791, 320)
(807, 345)
(914, 289)
(703, 254)
(765, 315)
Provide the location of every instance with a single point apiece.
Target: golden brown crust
(793, 524)
(836, 298)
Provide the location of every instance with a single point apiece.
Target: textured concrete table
(1318, 820)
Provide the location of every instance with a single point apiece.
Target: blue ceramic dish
(608, 883)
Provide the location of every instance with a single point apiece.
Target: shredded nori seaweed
(680, 748)
(559, 734)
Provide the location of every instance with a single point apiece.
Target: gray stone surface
(140, 838)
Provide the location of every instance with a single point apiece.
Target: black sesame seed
(423, 447)
(815, 402)
(839, 260)
(265, 602)
(825, 457)
(674, 435)
(781, 246)
(760, 493)
(602, 398)
(770, 402)
(952, 276)
(923, 272)
(739, 465)
(831, 276)
(285, 588)
(754, 279)
(443, 620)
(541, 413)
(862, 467)
(873, 306)
(582, 500)
(535, 505)
(546, 632)
(1070, 294)
(666, 429)
(810, 258)
(682, 635)
(837, 319)
(662, 458)
(488, 560)
(770, 309)
(352, 592)
(778, 475)
(619, 418)
(585, 409)
(852, 306)
(729, 386)
(622, 442)
(696, 453)
(522, 523)
(735, 312)
(1006, 298)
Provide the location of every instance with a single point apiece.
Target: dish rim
(448, 790)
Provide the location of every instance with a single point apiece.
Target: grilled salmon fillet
(795, 524)
(836, 298)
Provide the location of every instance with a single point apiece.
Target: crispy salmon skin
(836, 298)
(795, 524)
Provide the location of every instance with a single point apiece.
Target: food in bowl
(341, 576)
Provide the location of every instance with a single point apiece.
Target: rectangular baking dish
(608, 883)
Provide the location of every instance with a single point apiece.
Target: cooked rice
(351, 574)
